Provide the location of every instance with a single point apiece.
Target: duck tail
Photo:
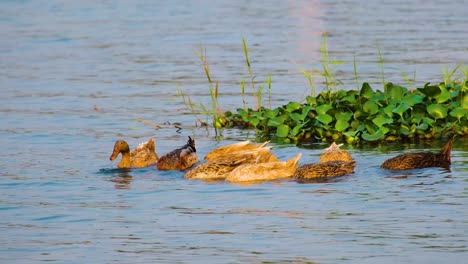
(447, 150)
(293, 162)
(263, 144)
(151, 145)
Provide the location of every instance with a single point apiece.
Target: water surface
(75, 75)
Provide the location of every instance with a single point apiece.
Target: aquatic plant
(364, 114)
(396, 113)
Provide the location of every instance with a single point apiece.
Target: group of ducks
(246, 162)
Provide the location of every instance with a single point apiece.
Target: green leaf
(401, 108)
(388, 110)
(323, 109)
(428, 120)
(458, 113)
(378, 96)
(370, 107)
(404, 130)
(465, 102)
(349, 98)
(430, 90)
(437, 111)
(380, 120)
(350, 133)
(282, 131)
(297, 117)
(341, 125)
(300, 117)
(366, 91)
(422, 126)
(297, 129)
(368, 137)
(277, 121)
(395, 92)
(292, 106)
(244, 115)
(324, 118)
(271, 113)
(311, 100)
(254, 121)
(345, 116)
(444, 94)
(412, 99)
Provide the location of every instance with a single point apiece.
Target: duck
(142, 156)
(420, 160)
(233, 151)
(179, 159)
(333, 162)
(334, 153)
(212, 170)
(264, 171)
(324, 169)
(219, 168)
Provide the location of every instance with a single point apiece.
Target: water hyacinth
(364, 115)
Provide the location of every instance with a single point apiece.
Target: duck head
(191, 144)
(120, 146)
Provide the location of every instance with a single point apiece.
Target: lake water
(75, 76)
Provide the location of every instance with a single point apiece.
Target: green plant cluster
(432, 111)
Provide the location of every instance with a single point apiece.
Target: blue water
(75, 76)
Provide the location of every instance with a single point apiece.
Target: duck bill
(114, 155)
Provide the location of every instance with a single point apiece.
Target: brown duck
(143, 156)
(420, 160)
(326, 169)
(179, 159)
(334, 162)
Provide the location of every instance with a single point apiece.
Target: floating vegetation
(432, 111)
(364, 114)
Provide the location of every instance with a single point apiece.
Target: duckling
(326, 169)
(334, 153)
(220, 168)
(264, 171)
(420, 160)
(179, 159)
(233, 151)
(142, 156)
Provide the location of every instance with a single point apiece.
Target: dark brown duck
(326, 169)
(420, 160)
(179, 159)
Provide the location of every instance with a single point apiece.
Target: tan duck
(220, 168)
(264, 171)
(234, 151)
(326, 169)
(420, 160)
(179, 159)
(334, 153)
(143, 156)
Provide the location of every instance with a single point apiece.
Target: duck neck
(125, 161)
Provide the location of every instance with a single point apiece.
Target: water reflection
(120, 177)
(324, 180)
